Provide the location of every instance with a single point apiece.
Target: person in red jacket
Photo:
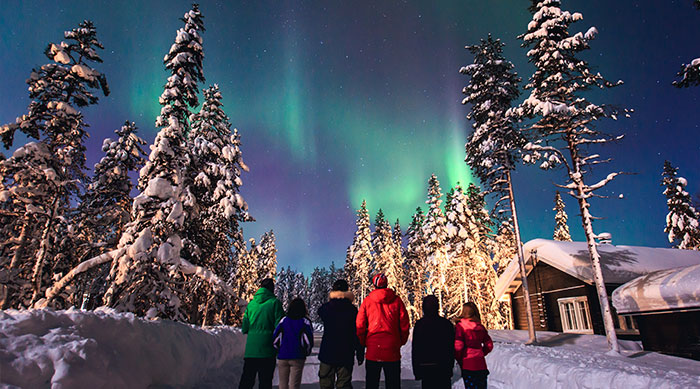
(472, 343)
(382, 327)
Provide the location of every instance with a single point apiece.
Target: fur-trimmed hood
(339, 294)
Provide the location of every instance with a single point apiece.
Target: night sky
(339, 101)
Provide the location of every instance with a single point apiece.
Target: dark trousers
(434, 377)
(264, 368)
(332, 376)
(475, 378)
(436, 382)
(392, 374)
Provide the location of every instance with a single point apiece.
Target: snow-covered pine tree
(41, 179)
(484, 274)
(248, 267)
(268, 259)
(504, 249)
(284, 286)
(319, 286)
(301, 287)
(105, 208)
(214, 177)
(415, 266)
(146, 278)
(561, 230)
(397, 236)
(494, 146)
(682, 224)
(463, 237)
(359, 256)
(566, 120)
(335, 273)
(690, 73)
(215, 172)
(387, 256)
(436, 242)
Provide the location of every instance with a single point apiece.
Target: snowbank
(660, 290)
(105, 349)
(580, 361)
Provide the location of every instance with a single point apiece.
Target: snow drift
(580, 361)
(105, 349)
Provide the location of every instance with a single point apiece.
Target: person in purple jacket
(294, 339)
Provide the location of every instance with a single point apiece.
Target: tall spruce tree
(682, 224)
(268, 259)
(504, 250)
(359, 259)
(415, 266)
(493, 148)
(566, 120)
(41, 179)
(146, 278)
(319, 287)
(216, 208)
(387, 256)
(561, 230)
(436, 242)
(105, 208)
(463, 239)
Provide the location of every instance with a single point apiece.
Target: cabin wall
(547, 285)
(675, 333)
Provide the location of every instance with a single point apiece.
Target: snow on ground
(105, 349)
(580, 361)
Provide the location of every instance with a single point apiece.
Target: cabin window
(627, 325)
(575, 315)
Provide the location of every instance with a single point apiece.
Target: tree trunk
(521, 261)
(608, 323)
(22, 243)
(37, 273)
(586, 220)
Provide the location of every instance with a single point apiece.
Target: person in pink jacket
(472, 343)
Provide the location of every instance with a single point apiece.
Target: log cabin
(562, 290)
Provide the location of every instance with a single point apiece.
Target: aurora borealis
(342, 101)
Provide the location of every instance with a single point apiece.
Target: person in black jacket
(340, 344)
(433, 347)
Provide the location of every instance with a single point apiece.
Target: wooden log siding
(547, 286)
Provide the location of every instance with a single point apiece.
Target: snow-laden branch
(56, 288)
(602, 182)
(206, 275)
(551, 149)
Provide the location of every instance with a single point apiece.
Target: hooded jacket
(433, 344)
(259, 321)
(294, 338)
(382, 325)
(339, 344)
(472, 343)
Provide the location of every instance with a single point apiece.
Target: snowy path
(310, 376)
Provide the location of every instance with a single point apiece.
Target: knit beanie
(379, 281)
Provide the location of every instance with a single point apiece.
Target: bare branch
(56, 288)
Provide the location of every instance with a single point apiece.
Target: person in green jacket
(260, 319)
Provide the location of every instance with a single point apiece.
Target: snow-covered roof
(662, 290)
(620, 263)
